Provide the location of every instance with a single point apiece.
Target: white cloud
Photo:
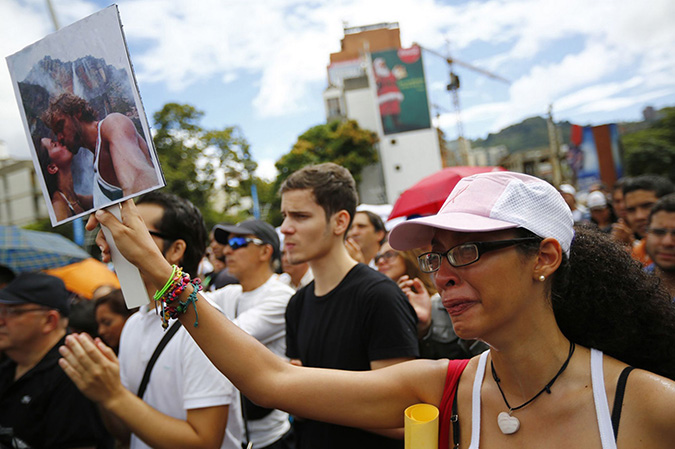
(266, 169)
(584, 57)
(595, 93)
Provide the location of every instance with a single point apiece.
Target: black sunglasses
(161, 236)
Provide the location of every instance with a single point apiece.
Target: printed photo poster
(401, 90)
(594, 155)
(82, 112)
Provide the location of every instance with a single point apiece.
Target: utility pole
(52, 14)
(554, 147)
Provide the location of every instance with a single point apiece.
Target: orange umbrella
(85, 277)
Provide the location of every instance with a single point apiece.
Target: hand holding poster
(89, 136)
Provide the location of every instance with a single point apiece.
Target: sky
(261, 64)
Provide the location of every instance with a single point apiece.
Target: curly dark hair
(68, 104)
(603, 299)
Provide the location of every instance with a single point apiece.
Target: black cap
(37, 288)
(261, 229)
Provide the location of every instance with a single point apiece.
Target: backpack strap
(155, 355)
(618, 399)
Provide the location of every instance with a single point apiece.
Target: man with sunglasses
(660, 241)
(39, 405)
(187, 402)
(257, 305)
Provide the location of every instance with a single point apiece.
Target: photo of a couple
(90, 136)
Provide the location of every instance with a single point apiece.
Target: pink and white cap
(492, 202)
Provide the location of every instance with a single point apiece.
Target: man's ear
(267, 252)
(381, 235)
(174, 253)
(341, 221)
(51, 322)
(549, 258)
(52, 169)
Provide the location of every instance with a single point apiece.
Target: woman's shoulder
(647, 408)
(648, 416)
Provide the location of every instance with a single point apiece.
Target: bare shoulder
(650, 391)
(644, 386)
(115, 122)
(648, 410)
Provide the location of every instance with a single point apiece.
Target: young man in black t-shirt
(351, 317)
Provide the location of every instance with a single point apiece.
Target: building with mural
(382, 86)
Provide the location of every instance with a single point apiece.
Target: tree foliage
(652, 150)
(191, 157)
(341, 142)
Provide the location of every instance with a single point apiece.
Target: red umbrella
(428, 195)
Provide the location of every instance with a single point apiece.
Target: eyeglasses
(7, 312)
(161, 235)
(387, 256)
(242, 242)
(465, 254)
(661, 232)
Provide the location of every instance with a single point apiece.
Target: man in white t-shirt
(257, 305)
(188, 402)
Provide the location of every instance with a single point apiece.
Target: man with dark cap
(220, 276)
(40, 407)
(257, 305)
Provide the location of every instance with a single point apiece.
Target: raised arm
(129, 153)
(363, 399)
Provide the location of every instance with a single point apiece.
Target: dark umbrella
(428, 195)
(23, 251)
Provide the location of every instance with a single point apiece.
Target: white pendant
(508, 424)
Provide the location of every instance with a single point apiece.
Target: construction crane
(453, 88)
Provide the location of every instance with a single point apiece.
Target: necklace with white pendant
(508, 423)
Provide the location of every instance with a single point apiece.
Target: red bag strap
(455, 369)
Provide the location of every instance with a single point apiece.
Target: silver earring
(542, 278)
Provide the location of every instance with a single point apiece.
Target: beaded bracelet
(170, 299)
(192, 298)
(169, 295)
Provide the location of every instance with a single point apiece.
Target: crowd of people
(321, 334)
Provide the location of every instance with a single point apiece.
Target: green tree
(652, 150)
(191, 156)
(341, 142)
